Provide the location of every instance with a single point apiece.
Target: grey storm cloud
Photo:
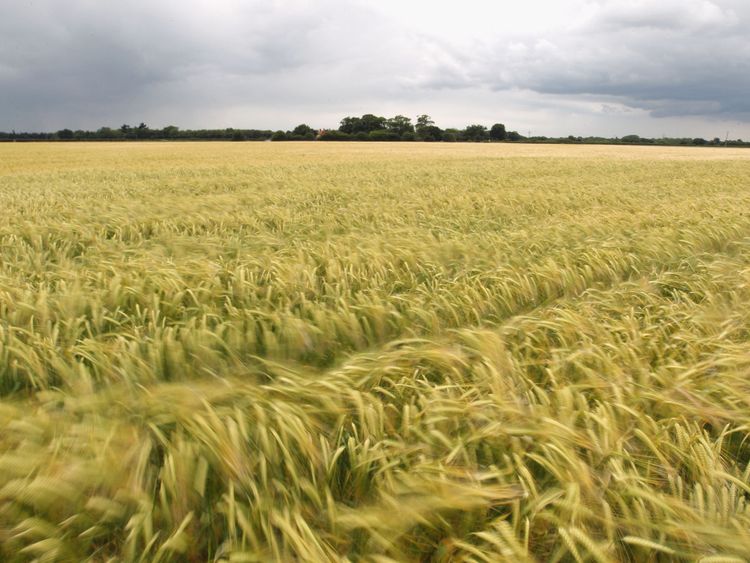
(86, 63)
(672, 58)
(98, 60)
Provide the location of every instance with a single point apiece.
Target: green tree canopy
(399, 124)
(303, 130)
(430, 133)
(170, 131)
(424, 120)
(497, 132)
(368, 122)
(349, 125)
(475, 133)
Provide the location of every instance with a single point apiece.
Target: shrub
(334, 135)
(383, 135)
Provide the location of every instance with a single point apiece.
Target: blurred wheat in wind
(238, 352)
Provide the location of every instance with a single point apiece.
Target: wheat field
(374, 352)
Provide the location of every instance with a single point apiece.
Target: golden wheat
(411, 352)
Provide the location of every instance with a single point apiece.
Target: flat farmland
(374, 352)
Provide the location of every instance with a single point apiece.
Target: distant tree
(514, 136)
(400, 125)
(497, 132)
(475, 133)
(383, 135)
(430, 133)
(170, 131)
(128, 132)
(631, 139)
(238, 135)
(369, 122)
(278, 136)
(350, 125)
(699, 141)
(142, 131)
(65, 134)
(336, 136)
(302, 130)
(452, 135)
(107, 133)
(423, 121)
(409, 136)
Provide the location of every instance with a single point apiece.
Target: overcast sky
(549, 67)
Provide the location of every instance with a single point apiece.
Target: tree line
(370, 127)
(367, 127)
(143, 132)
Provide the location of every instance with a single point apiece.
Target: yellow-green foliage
(321, 352)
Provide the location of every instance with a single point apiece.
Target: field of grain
(374, 352)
